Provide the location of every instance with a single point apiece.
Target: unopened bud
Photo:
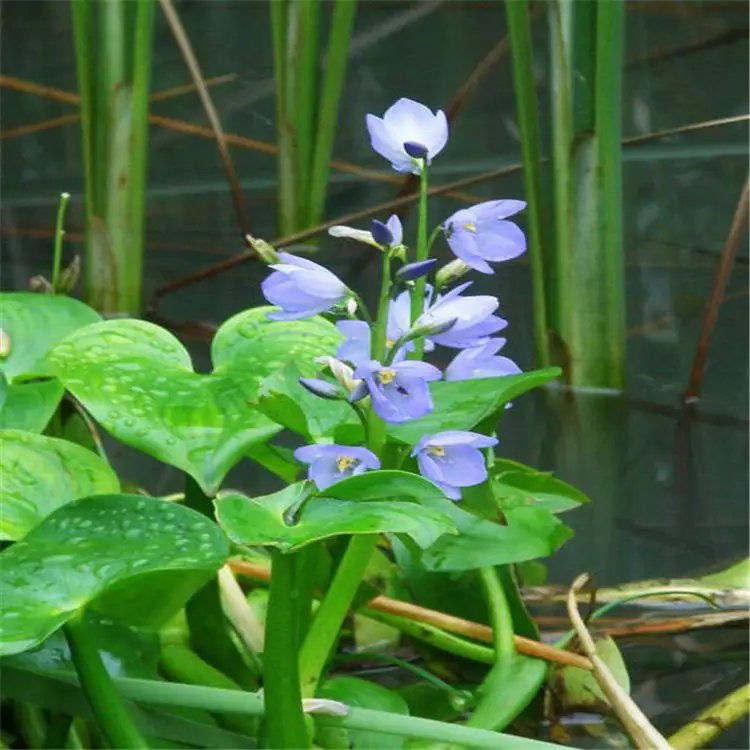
(265, 250)
(359, 392)
(381, 233)
(5, 345)
(430, 329)
(450, 272)
(359, 235)
(341, 371)
(412, 271)
(415, 150)
(321, 388)
(351, 306)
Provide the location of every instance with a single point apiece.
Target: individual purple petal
(394, 224)
(481, 362)
(497, 209)
(416, 270)
(381, 233)
(321, 388)
(416, 150)
(356, 346)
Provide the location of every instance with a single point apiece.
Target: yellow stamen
(470, 227)
(386, 376)
(344, 462)
(436, 450)
(389, 343)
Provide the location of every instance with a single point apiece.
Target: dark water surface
(669, 485)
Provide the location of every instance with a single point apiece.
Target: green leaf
(530, 533)
(291, 518)
(462, 404)
(515, 485)
(137, 381)
(134, 558)
(508, 689)
(40, 474)
(355, 691)
(384, 484)
(277, 459)
(578, 690)
(34, 323)
(30, 406)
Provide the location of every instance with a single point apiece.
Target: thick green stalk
(306, 26)
(59, 234)
(285, 160)
(330, 615)
(527, 110)
(610, 39)
(285, 722)
(132, 264)
(333, 81)
(417, 294)
(105, 701)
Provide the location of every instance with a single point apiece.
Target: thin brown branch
(38, 89)
(449, 623)
(38, 127)
(640, 729)
(191, 61)
(692, 127)
(723, 272)
(189, 88)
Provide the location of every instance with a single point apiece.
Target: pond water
(669, 484)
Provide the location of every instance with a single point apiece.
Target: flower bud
(416, 150)
(359, 392)
(450, 273)
(381, 233)
(412, 271)
(265, 251)
(341, 371)
(321, 388)
(359, 235)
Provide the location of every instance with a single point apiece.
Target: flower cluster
(378, 367)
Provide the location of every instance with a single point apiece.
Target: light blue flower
(473, 316)
(408, 122)
(452, 459)
(356, 347)
(301, 288)
(481, 362)
(480, 234)
(332, 463)
(399, 391)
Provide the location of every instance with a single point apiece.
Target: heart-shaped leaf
(30, 406)
(40, 474)
(530, 533)
(463, 404)
(134, 558)
(291, 518)
(34, 323)
(137, 381)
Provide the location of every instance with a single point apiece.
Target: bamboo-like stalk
(527, 110)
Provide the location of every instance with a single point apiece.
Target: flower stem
(376, 431)
(59, 234)
(285, 722)
(106, 704)
(499, 611)
(417, 294)
(332, 611)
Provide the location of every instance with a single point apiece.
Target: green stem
(433, 636)
(232, 701)
(285, 722)
(376, 431)
(499, 611)
(324, 630)
(105, 701)
(59, 234)
(522, 52)
(417, 295)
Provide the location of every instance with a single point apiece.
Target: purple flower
(452, 459)
(356, 346)
(332, 463)
(410, 122)
(474, 319)
(481, 362)
(480, 234)
(301, 288)
(399, 392)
